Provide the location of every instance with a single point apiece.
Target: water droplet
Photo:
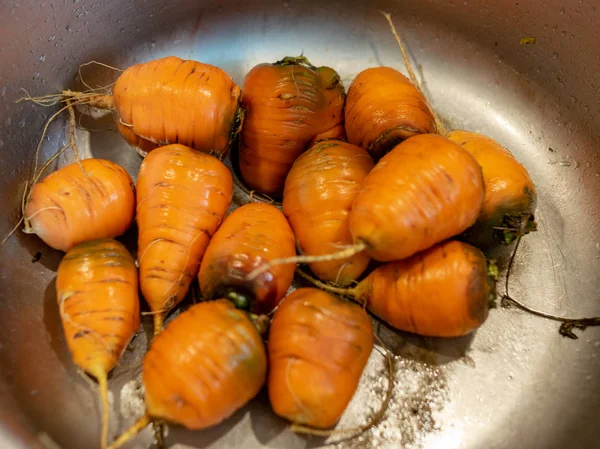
(1, 143)
(563, 33)
(562, 10)
(555, 55)
(51, 38)
(565, 163)
(43, 58)
(68, 28)
(35, 75)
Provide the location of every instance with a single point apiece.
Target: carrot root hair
(373, 421)
(131, 432)
(325, 286)
(441, 130)
(343, 254)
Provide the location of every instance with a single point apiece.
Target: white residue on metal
(419, 396)
(132, 399)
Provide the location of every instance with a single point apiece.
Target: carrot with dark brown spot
(444, 291)
(289, 105)
(250, 236)
(384, 108)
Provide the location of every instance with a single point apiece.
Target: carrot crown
(296, 60)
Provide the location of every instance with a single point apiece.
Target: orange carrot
(318, 194)
(86, 200)
(383, 108)
(510, 196)
(252, 235)
(318, 347)
(444, 291)
(170, 100)
(97, 292)
(206, 364)
(289, 105)
(426, 190)
(182, 197)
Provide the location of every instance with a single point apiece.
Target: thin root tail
(131, 432)
(103, 385)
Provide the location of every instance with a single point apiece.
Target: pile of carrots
(390, 216)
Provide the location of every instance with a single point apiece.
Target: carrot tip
(103, 384)
(131, 432)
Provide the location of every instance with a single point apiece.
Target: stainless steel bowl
(515, 384)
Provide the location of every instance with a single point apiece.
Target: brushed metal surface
(515, 383)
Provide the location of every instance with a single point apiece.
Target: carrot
(424, 191)
(318, 195)
(206, 364)
(383, 108)
(85, 200)
(289, 105)
(182, 197)
(510, 196)
(170, 100)
(97, 292)
(444, 291)
(253, 234)
(318, 347)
